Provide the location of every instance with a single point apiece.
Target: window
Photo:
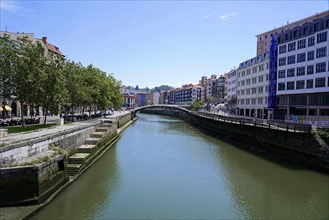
(291, 72)
(320, 82)
(301, 44)
(253, 101)
(311, 41)
(294, 34)
(282, 49)
(309, 83)
(301, 71)
(282, 74)
(321, 52)
(260, 79)
(291, 59)
(260, 90)
(320, 67)
(248, 72)
(282, 61)
(305, 30)
(260, 101)
(266, 77)
(254, 80)
(301, 57)
(310, 69)
(321, 37)
(317, 27)
(247, 91)
(310, 55)
(253, 90)
(281, 86)
(291, 46)
(242, 92)
(300, 84)
(290, 85)
(248, 81)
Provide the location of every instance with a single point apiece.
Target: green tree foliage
(196, 105)
(55, 93)
(162, 87)
(26, 74)
(8, 59)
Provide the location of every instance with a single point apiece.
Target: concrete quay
(96, 143)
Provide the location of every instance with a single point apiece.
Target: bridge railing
(238, 119)
(271, 124)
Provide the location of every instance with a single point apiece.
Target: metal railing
(270, 124)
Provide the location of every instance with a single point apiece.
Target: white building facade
(231, 97)
(303, 70)
(252, 87)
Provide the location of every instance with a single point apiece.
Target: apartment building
(219, 93)
(188, 93)
(303, 69)
(252, 87)
(230, 97)
(264, 39)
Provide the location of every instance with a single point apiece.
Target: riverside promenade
(13, 138)
(24, 212)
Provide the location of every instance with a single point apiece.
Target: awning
(1, 109)
(7, 108)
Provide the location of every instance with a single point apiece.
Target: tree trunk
(22, 116)
(45, 117)
(72, 113)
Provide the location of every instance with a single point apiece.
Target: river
(163, 168)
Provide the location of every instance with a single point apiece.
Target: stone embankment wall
(33, 184)
(67, 140)
(28, 185)
(301, 148)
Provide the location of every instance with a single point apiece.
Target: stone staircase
(85, 151)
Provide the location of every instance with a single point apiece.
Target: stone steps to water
(73, 169)
(97, 135)
(86, 148)
(91, 141)
(78, 158)
(102, 129)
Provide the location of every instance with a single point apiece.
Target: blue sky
(153, 43)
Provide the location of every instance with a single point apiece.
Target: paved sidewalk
(14, 138)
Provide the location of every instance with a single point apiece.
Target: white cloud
(227, 16)
(15, 8)
(207, 16)
(10, 6)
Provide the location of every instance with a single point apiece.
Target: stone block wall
(31, 184)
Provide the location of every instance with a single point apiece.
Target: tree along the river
(28, 77)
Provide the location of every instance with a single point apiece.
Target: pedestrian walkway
(14, 138)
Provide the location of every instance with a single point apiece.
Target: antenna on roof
(6, 28)
(287, 20)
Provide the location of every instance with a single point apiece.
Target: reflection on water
(162, 168)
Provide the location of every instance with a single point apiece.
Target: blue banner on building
(273, 74)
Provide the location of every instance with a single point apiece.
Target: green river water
(163, 168)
